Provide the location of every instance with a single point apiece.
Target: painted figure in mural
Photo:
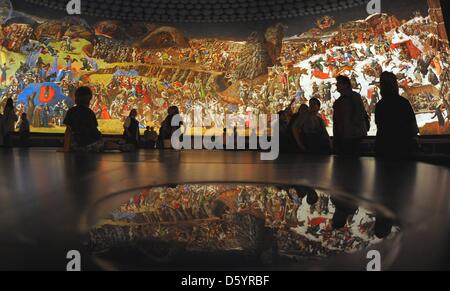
(37, 117)
(440, 116)
(4, 76)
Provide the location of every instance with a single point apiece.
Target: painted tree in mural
(274, 41)
(260, 53)
(254, 58)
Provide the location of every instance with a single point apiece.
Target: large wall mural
(150, 67)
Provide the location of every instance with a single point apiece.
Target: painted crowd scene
(150, 67)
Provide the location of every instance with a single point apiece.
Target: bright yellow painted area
(12, 61)
(108, 127)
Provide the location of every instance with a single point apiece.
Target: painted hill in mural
(69, 26)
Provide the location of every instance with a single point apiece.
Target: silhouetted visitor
(286, 120)
(235, 135)
(395, 119)
(24, 130)
(283, 119)
(312, 131)
(131, 129)
(150, 137)
(9, 122)
(225, 138)
(167, 130)
(297, 123)
(350, 120)
(82, 134)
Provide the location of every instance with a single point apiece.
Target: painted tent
(44, 93)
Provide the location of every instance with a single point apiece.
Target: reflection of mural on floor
(208, 218)
(150, 67)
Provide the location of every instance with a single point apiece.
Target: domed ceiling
(194, 11)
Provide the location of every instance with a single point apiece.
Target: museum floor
(47, 199)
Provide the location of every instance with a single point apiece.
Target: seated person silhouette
(82, 134)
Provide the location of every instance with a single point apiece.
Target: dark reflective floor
(49, 203)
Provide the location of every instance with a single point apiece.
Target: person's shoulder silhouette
(395, 118)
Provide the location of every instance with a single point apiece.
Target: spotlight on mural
(150, 67)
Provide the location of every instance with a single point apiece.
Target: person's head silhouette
(389, 85)
(344, 85)
(314, 105)
(9, 103)
(133, 113)
(83, 96)
(173, 110)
